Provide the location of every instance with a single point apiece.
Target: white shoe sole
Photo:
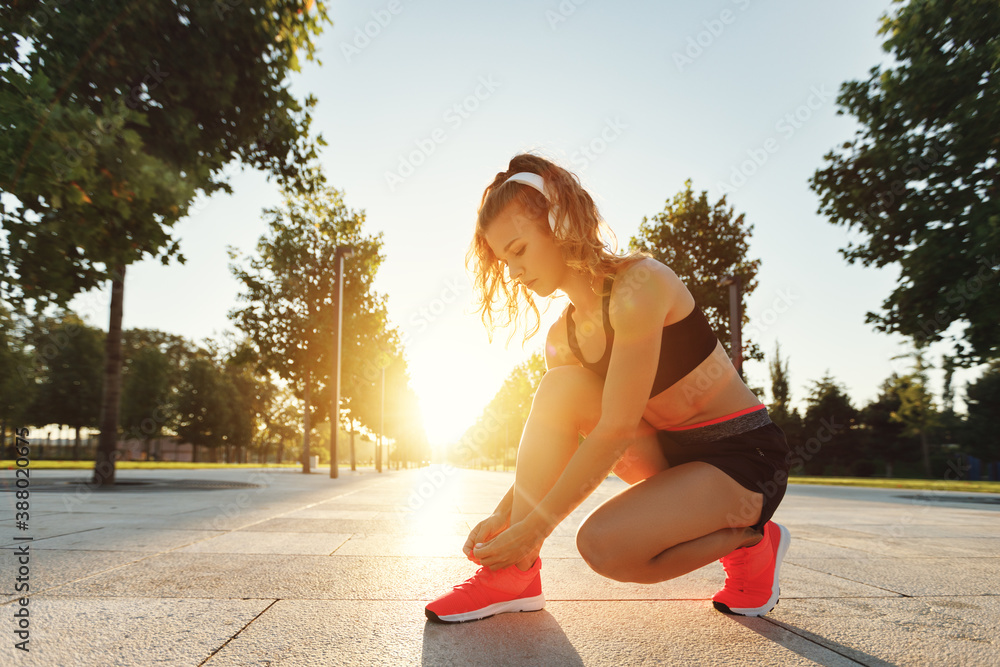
(536, 603)
(784, 539)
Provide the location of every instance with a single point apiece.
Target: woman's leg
(669, 524)
(566, 404)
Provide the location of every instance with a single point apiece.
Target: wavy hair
(580, 237)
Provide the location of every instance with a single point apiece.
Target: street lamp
(338, 260)
(735, 320)
(381, 424)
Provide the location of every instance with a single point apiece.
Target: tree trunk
(305, 427)
(104, 464)
(194, 453)
(353, 466)
(76, 445)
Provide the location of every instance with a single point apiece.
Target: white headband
(537, 182)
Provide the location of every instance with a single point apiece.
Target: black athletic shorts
(757, 458)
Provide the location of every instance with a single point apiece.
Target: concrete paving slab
(256, 559)
(916, 576)
(259, 542)
(564, 633)
(137, 631)
(398, 526)
(54, 568)
(959, 630)
(120, 539)
(918, 547)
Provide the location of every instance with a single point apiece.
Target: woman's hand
(512, 545)
(485, 531)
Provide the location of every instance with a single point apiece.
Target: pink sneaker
(752, 574)
(487, 593)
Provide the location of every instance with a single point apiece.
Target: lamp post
(338, 260)
(735, 320)
(381, 425)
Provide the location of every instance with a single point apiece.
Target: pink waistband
(719, 420)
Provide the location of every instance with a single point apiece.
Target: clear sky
(422, 103)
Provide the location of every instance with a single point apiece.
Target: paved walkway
(304, 570)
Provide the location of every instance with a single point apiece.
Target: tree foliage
(113, 116)
(982, 397)
(921, 180)
(494, 437)
(780, 408)
(703, 243)
(17, 381)
(290, 295)
(831, 443)
(146, 405)
(69, 389)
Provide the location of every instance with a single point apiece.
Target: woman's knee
(573, 390)
(600, 550)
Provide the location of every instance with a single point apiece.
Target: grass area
(142, 465)
(915, 484)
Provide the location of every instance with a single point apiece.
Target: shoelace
(735, 566)
(472, 581)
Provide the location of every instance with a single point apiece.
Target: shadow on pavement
(533, 638)
(809, 645)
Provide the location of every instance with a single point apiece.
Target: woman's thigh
(676, 505)
(568, 401)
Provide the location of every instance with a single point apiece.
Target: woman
(632, 365)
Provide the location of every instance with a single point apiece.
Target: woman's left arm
(638, 311)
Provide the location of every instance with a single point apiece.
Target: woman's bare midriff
(714, 389)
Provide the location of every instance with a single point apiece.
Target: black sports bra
(684, 344)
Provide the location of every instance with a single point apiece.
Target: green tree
(104, 145)
(921, 179)
(17, 385)
(145, 408)
(404, 424)
(982, 399)
(290, 295)
(498, 429)
(882, 434)
(703, 243)
(780, 409)
(70, 388)
(205, 407)
(831, 445)
(917, 412)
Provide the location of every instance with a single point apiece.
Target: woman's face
(529, 250)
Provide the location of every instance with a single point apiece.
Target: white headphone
(535, 181)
